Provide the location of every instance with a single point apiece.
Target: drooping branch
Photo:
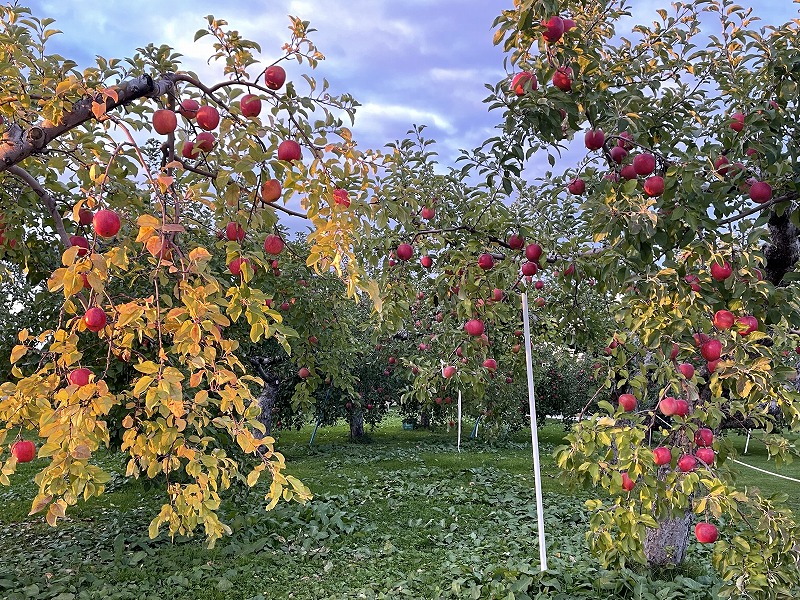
(48, 200)
(18, 144)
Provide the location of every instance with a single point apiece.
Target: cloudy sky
(406, 61)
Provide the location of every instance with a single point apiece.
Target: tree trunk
(666, 545)
(357, 425)
(425, 419)
(266, 399)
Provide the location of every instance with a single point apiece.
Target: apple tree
(153, 203)
(686, 193)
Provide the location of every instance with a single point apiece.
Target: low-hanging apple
(704, 437)
(720, 272)
(341, 197)
(627, 402)
(533, 252)
(654, 186)
(594, 139)
(737, 122)
(271, 190)
(273, 244)
(687, 370)
(81, 242)
(204, 142)
(644, 163)
(668, 406)
(23, 450)
(706, 455)
(577, 187)
(760, 192)
(485, 261)
(448, 371)
(687, 463)
(662, 455)
(426, 261)
(711, 350)
(164, 121)
(234, 232)
(427, 212)
(681, 407)
(106, 223)
(723, 319)
(627, 483)
(490, 364)
(617, 154)
(80, 377)
(189, 108)
(235, 266)
(474, 327)
(304, 373)
(207, 117)
(553, 29)
(85, 216)
(706, 533)
(516, 241)
(562, 79)
(746, 325)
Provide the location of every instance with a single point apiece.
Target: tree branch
(48, 200)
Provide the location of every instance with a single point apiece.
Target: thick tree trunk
(266, 399)
(425, 419)
(667, 544)
(357, 425)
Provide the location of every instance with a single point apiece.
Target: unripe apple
(522, 80)
(704, 437)
(577, 187)
(720, 272)
(474, 327)
(204, 142)
(627, 483)
(289, 150)
(106, 223)
(271, 190)
(627, 402)
(686, 370)
(706, 533)
(23, 450)
(516, 241)
(654, 186)
(644, 163)
(79, 377)
(274, 77)
(760, 192)
(189, 108)
(594, 139)
(448, 371)
(426, 261)
(737, 122)
(250, 105)
(234, 232)
(485, 261)
(668, 406)
(687, 463)
(164, 121)
(554, 29)
(723, 319)
(405, 251)
(273, 244)
(533, 252)
(562, 79)
(711, 350)
(662, 455)
(207, 117)
(95, 319)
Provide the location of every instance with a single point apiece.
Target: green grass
(405, 516)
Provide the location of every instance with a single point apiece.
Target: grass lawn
(405, 516)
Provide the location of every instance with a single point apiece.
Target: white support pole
(747, 441)
(459, 420)
(534, 432)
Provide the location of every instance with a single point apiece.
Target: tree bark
(266, 399)
(666, 545)
(357, 425)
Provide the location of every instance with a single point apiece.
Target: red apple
(723, 319)
(485, 261)
(79, 377)
(720, 272)
(568, 24)
(681, 407)
(720, 165)
(250, 105)
(625, 140)
(85, 216)
(23, 450)
(539, 284)
(687, 463)
(533, 252)
(273, 244)
(594, 139)
(274, 77)
(521, 82)
(207, 117)
(234, 232)
(686, 370)
(271, 190)
(448, 371)
(428, 212)
(304, 373)
(706, 533)
(341, 197)
(490, 364)
(627, 172)
(204, 142)
(554, 29)
(654, 186)
(81, 242)
(405, 251)
(562, 79)
(570, 270)
(474, 327)
(618, 153)
(627, 402)
(516, 241)
(187, 150)
(737, 122)
(289, 150)
(662, 455)
(164, 121)
(539, 302)
(668, 406)
(627, 483)
(693, 281)
(706, 455)
(95, 319)
(106, 223)
(188, 108)
(711, 350)
(577, 187)
(747, 325)
(426, 261)
(675, 351)
(760, 192)
(704, 437)
(235, 266)
(644, 163)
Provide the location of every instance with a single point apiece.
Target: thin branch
(48, 200)
(759, 208)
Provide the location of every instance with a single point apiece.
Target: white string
(738, 462)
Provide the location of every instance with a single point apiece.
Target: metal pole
(534, 432)
(459, 420)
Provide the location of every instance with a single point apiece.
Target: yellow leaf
(18, 352)
(199, 254)
(127, 422)
(142, 385)
(81, 452)
(252, 478)
(39, 503)
(23, 335)
(147, 367)
(148, 221)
